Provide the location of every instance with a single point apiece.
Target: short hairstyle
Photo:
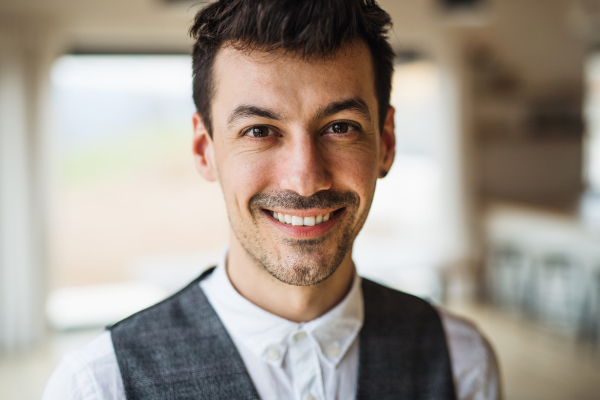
(304, 28)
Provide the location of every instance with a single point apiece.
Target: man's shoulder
(460, 327)
(466, 342)
(465, 338)
(97, 351)
(87, 372)
(474, 363)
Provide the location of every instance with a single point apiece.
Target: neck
(294, 303)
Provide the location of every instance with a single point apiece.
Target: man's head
(304, 28)
(292, 125)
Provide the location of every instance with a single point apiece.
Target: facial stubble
(304, 262)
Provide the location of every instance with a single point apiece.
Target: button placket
(304, 361)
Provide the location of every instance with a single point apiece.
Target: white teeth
(299, 221)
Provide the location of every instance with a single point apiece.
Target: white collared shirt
(285, 360)
(289, 360)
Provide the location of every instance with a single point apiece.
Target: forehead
(293, 86)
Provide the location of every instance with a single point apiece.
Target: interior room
(491, 210)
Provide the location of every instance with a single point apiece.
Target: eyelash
(351, 127)
(246, 132)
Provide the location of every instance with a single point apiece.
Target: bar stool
(507, 275)
(589, 323)
(559, 298)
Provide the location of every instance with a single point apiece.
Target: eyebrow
(353, 104)
(245, 111)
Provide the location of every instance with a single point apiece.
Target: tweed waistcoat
(179, 349)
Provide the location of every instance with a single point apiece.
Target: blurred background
(492, 208)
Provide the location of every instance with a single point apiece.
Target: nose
(304, 170)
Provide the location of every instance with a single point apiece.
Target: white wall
(26, 51)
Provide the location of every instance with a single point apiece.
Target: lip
(305, 231)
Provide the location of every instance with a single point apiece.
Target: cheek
(242, 176)
(357, 171)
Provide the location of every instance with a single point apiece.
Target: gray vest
(179, 349)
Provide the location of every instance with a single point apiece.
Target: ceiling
(148, 25)
(109, 25)
(530, 35)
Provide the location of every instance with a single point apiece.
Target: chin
(306, 264)
(301, 273)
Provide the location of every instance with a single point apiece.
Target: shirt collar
(267, 336)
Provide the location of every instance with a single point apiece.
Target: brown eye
(258, 131)
(341, 128)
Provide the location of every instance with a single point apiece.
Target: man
(294, 122)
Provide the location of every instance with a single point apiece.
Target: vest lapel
(403, 351)
(179, 349)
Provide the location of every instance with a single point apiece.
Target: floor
(535, 364)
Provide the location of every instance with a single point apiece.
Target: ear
(204, 154)
(388, 144)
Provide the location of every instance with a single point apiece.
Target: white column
(456, 154)
(26, 53)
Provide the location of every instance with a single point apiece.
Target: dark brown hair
(304, 28)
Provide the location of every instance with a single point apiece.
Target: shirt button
(273, 354)
(300, 335)
(311, 397)
(333, 351)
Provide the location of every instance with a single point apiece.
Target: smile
(306, 225)
(301, 221)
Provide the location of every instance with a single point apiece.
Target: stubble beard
(305, 262)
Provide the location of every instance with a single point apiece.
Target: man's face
(297, 149)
